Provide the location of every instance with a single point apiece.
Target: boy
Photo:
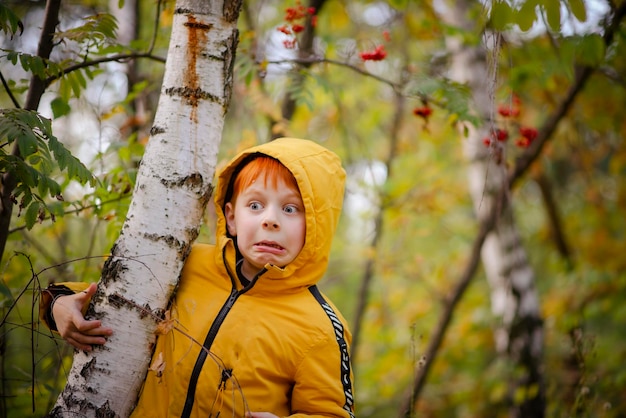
(270, 340)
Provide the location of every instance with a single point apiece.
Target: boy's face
(269, 224)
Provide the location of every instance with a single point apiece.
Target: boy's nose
(270, 224)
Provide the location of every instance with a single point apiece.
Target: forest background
(375, 82)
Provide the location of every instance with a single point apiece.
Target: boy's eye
(254, 205)
(290, 209)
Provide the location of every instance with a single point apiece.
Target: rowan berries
(423, 112)
(378, 54)
(529, 133)
(508, 111)
(293, 15)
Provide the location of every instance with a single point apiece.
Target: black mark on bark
(155, 130)
(192, 95)
(88, 368)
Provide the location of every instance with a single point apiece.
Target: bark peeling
(197, 39)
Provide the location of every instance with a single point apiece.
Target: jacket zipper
(208, 341)
(206, 346)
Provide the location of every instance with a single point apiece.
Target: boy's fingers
(102, 331)
(84, 325)
(99, 331)
(89, 340)
(78, 345)
(82, 298)
(86, 294)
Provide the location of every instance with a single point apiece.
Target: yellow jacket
(277, 345)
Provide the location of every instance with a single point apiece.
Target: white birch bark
(172, 190)
(514, 300)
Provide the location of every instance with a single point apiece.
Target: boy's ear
(229, 214)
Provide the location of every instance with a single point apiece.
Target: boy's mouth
(269, 244)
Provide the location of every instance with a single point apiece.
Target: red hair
(269, 168)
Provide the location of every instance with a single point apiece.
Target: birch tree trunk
(514, 300)
(174, 184)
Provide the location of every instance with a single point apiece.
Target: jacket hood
(321, 179)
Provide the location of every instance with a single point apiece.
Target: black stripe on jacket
(343, 349)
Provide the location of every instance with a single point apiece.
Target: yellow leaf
(158, 365)
(166, 325)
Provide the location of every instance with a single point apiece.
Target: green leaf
(527, 15)
(501, 15)
(9, 22)
(59, 107)
(48, 186)
(77, 82)
(97, 28)
(6, 292)
(27, 196)
(25, 61)
(32, 214)
(75, 168)
(590, 50)
(38, 67)
(578, 9)
(27, 143)
(13, 56)
(41, 153)
(552, 9)
(27, 175)
(65, 91)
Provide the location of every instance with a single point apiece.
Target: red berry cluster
(528, 135)
(295, 17)
(509, 112)
(377, 54)
(423, 111)
(500, 135)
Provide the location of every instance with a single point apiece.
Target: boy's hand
(260, 415)
(73, 327)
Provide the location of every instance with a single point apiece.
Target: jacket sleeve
(52, 292)
(324, 382)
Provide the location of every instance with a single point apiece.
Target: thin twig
(77, 210)
(112, 58)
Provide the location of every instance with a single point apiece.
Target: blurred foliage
(349, 105)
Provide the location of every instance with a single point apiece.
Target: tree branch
(308, 61)
(9, 92)
(85, 64)
(78, 210)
